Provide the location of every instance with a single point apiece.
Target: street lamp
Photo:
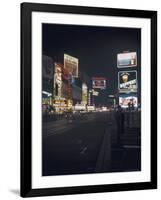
(114, 100)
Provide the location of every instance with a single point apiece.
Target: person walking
(120, 121)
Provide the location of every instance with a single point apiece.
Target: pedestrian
(129, 106)
(120, 119)
(122, 122)
(128, 118)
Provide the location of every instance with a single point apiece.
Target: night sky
(95, 47)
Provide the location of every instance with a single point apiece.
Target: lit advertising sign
(84, 93)
(60, 103)
(99, 82)
(127, 59)
(90, 108)
(71, 65)
(127, 81)
(126, 101)
(95, 93)
(58, 80)
(79, 107)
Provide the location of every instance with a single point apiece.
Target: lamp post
(114, 100)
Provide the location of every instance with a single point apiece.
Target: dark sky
(95, 47)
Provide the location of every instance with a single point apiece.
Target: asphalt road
(89, 145)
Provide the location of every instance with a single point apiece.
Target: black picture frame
(26, 97)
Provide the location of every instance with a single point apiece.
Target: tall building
(47, 79)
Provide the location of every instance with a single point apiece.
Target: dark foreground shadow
(15, 192)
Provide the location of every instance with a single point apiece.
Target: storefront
(60, 105)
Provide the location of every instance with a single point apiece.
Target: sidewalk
(116, 158)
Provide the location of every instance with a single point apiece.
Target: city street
(89, 145)
(91, 99)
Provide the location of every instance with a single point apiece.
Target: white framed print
(88, 99)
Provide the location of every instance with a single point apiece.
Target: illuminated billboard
(84, 93)
(71, 65)
(79, 107)
(127, 81)
(90, 108)
(126, 101)
(99, 82)
(95, 93)
(58, 80)
(127, 59)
